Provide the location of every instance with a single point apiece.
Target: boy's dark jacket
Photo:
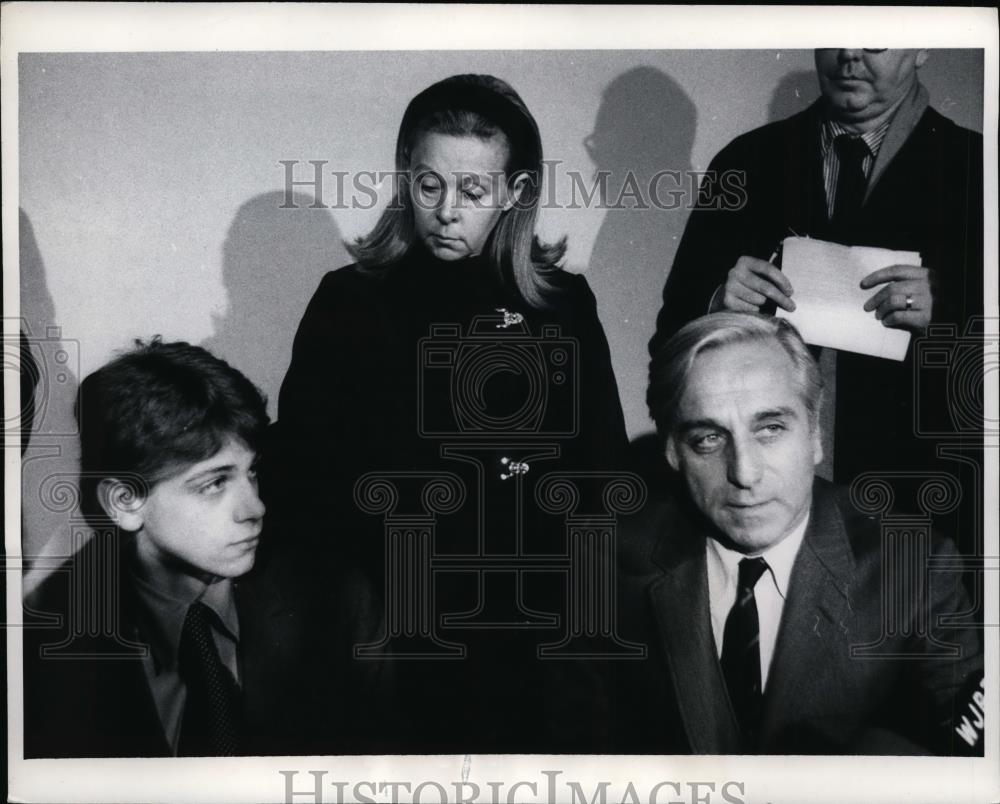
(302, 691)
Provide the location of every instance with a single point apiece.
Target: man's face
(861, 86)
(204, 522)
(458, 191)
(745, 443)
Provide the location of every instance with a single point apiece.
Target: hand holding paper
(750, 284)
(906, 299)
(831, 306)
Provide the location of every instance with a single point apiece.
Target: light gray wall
(150, 186)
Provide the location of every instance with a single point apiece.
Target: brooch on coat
(509, 318)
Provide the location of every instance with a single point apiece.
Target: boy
(161, 651)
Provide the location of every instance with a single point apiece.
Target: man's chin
(848, 102)
(750, 537)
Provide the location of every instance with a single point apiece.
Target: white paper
(829, 301)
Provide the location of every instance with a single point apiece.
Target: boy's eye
(213, 486)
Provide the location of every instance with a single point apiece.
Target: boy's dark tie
(851, 181)
(212, 711)
(741, 651)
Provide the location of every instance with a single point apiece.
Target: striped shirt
(829, 132)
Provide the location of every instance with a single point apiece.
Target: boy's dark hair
(159, 407)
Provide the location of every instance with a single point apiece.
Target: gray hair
(670, 366)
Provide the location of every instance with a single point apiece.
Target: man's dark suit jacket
(818, 699)
(928, 199)
(302, 692)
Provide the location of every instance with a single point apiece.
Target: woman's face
(459, 189)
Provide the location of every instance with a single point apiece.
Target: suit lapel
(806, 188)
(129, 716)
(816, 620)
(265, 613)
(683, 622)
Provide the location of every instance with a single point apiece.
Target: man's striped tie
(741, 652)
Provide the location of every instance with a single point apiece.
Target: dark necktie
(741, 651)
(851, 180)
(212, 710)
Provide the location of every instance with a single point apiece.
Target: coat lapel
(816, 622)
(269, 638)
(683, 623)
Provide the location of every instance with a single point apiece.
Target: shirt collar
(873, 139)
(780, 558)
(162, 614)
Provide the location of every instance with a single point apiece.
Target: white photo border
(93, 27)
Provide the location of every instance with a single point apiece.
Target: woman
(455, 344)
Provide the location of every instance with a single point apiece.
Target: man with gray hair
(761, 592)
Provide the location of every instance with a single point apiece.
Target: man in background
(868, 164)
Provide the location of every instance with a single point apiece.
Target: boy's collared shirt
(161, 620)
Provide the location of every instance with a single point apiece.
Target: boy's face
(206, 520)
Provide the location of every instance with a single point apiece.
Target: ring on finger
(909, 302)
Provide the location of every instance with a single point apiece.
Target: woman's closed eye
(429, 187)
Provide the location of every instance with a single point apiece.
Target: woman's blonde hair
(479, 106)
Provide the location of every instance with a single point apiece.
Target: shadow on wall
(652, 124)
(795, 92)
(50, 461)
(273, 260)
(645, 125)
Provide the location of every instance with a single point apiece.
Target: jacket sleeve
(947, 678)
(742, 209)
(712, 242)
(323, 419)
(958, 257)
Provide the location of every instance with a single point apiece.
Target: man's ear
(671, 452)
(121, 502)
(515, 189)
(921, 58)
(817, 438)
